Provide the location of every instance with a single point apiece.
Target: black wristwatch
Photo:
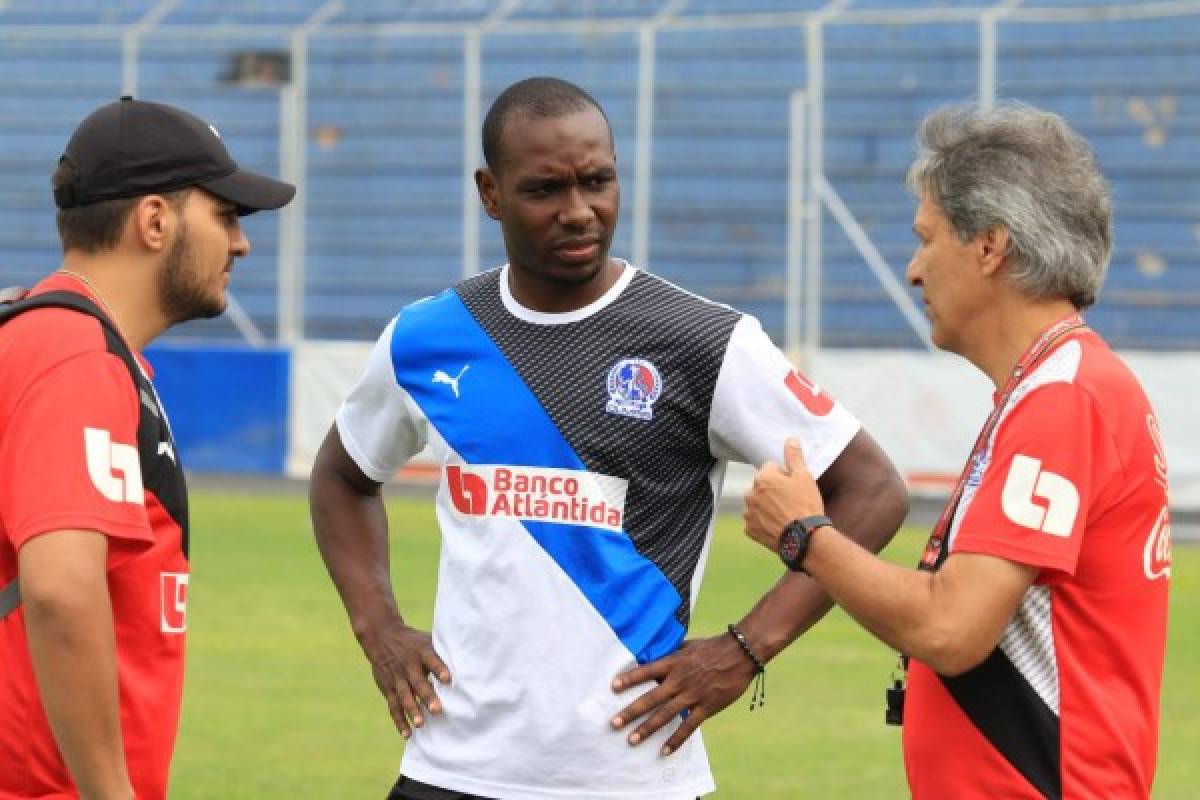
(793, 544)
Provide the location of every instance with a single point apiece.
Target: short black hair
(541, 96)
(97, 227)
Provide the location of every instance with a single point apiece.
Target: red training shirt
(68, 460)
(1074, 482)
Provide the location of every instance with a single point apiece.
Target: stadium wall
(229, 405)
(924, 408)
(265, 410)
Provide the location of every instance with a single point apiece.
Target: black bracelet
(759, 698)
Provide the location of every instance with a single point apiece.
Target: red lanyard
(939, 541)
(938, 546)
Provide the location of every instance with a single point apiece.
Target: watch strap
(793, 544)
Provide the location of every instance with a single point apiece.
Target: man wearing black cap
(93, 507)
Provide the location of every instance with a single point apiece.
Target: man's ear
(152, 222)
(485, 181)
(994, 244)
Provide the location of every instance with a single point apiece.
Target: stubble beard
(582, 277)
(181, 290)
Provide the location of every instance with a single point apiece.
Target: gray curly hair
(1027, 170)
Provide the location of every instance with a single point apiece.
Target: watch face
(789, 544)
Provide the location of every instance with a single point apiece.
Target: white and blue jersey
(581, 460)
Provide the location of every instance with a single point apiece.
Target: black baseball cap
(131, 148)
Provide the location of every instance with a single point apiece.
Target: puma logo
(442, 377)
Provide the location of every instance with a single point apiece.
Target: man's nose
(912, 273)
(239, 245)
(576, 211)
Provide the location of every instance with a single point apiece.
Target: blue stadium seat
(385, 140)
(74, 12)
(374, 12)
(244, 12)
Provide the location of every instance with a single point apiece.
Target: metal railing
(812, 195)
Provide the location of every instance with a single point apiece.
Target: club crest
(633, 386)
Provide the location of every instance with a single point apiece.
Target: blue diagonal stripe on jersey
(497, 419)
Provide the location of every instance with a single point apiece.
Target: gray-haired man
(1037, 620)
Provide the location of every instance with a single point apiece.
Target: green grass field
(280, 703)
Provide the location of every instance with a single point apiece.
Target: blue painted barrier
(228, 405)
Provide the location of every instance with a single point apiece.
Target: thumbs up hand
(780, 495)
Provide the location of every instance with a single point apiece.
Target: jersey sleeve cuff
(824, 459)
(1017, 553)
(132, 532)
(358, 453)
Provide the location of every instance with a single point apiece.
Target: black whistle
(894, 713)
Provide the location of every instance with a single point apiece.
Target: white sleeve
(380, 426)
(760, 400)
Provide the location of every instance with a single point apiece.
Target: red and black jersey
(85, 444)
(1073, 482)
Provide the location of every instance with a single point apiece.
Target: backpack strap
(161, 472)
(10, 598)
